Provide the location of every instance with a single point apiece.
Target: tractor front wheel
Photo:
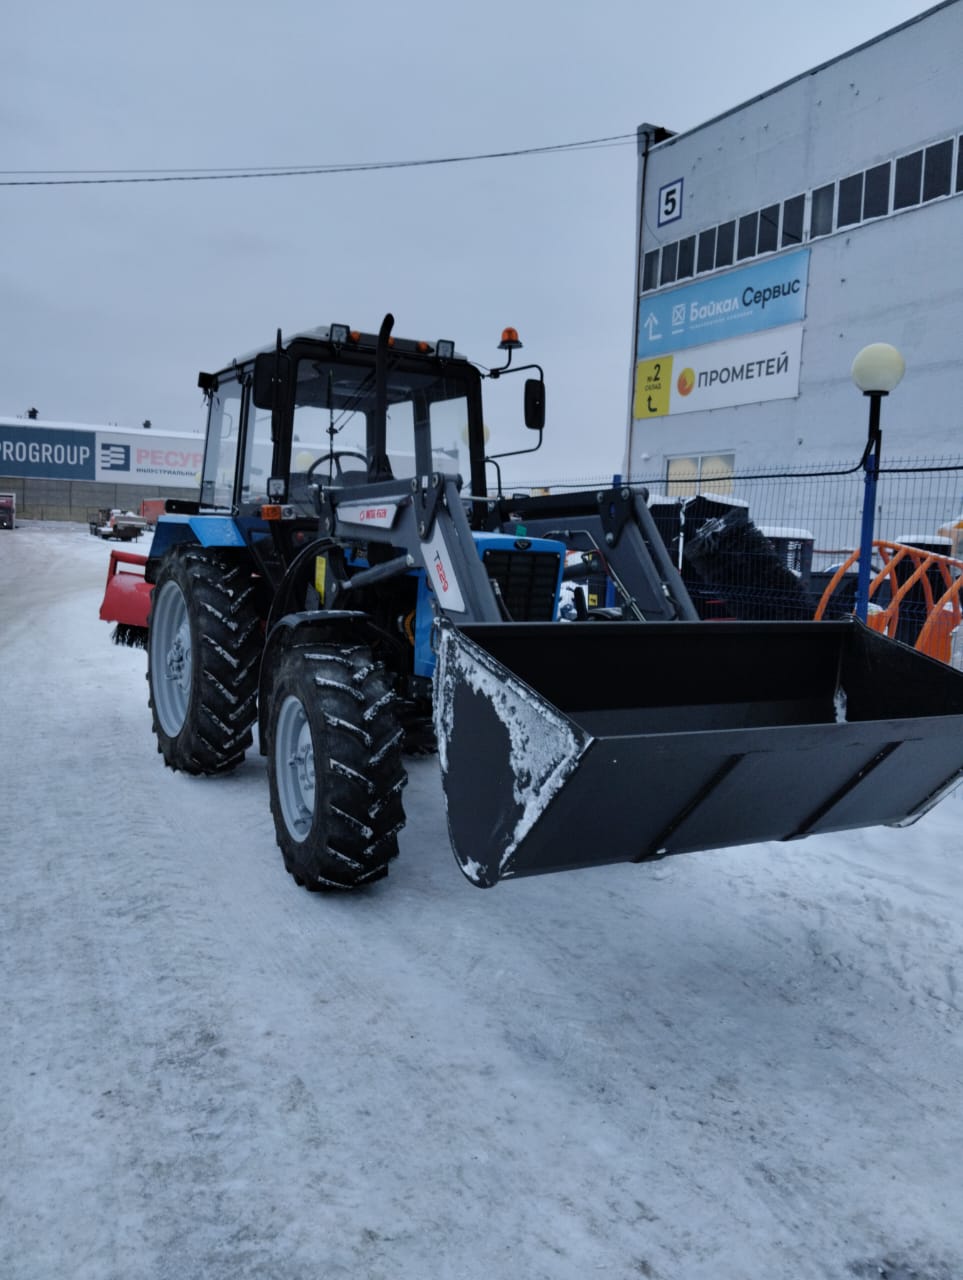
(203, 650)
(334, 766)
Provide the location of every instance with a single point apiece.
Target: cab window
(221, 453)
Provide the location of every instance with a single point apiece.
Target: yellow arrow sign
(653, 379)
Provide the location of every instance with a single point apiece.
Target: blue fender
(209, 531)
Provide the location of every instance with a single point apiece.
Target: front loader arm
(426, 520)
(618, 525)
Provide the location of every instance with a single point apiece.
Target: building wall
(894, 278)
(79, 500)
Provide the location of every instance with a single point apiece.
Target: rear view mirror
(270, 372)
(534, 404)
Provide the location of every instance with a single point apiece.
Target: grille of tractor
(527, 581)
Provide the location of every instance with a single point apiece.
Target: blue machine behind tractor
(340, 583)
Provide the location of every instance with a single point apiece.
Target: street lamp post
(877, 370)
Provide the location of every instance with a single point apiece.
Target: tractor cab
(284, 424)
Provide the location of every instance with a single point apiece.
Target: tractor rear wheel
(334, 766)
(203, 650)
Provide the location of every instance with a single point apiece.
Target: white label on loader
(441, 573)
(381, 515)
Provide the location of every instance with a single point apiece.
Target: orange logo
(686, 381)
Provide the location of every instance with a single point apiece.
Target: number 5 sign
(670, 202)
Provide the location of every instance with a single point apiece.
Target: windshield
(333, 405)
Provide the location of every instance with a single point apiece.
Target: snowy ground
(744, 1065)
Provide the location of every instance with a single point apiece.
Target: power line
(105, 177)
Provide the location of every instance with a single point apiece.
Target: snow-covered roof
(777, 531)
(148, 432)
(319, 333)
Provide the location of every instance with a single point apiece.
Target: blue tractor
(346, 584)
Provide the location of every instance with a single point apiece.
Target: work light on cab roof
(341, 335)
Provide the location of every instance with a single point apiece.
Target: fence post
(871, 467)
(876, 370)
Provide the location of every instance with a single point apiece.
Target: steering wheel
(335, 456)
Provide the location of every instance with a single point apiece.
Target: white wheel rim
(172, 668)
(294, 767)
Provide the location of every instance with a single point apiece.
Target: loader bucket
(127, 597)
(577, 745)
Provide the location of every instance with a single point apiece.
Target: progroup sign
(763, 296)
(47, 453)
(42, 452)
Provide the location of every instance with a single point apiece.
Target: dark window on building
(919, 176)
(909, 173)
(769, 228)
(748, 231)
(725, 243)
(686, 258)
(650, 270)
(707, 250)
(670, 253)
(936, 170)
(792, 220)
(850, 208)
(876, 191)
(821, 218)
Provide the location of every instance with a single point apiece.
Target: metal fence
(766, 543)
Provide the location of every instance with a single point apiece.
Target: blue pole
(871, 467)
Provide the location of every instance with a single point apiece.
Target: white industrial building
(66, 470)
(780, 238)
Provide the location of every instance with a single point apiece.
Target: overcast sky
(115, 296)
